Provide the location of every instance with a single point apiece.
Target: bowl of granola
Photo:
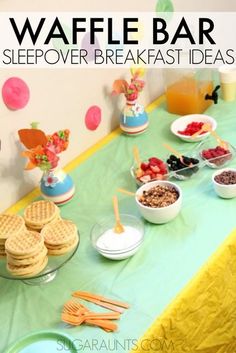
(159, 201)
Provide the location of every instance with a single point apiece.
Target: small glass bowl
(216, 162)
(140, 183)
(108, 223)
(185, 173)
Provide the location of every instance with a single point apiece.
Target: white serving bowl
(162, 214)
(181, 123)
(120, 256)
(107, 223)
(224, 191)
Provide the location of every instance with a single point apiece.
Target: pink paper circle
(93, 117)
(15, 93)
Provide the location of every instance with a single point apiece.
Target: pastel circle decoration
(15, 93)
(90, 48)
(93, 117)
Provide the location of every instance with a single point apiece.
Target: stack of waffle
(40, 213)
(60, 237)
(26, 254)
(10, 225)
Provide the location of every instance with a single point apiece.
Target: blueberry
(194, 160)
(186, 160)
(173, 158)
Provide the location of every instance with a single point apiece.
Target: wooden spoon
(208, 128)
(118, 226)
(126, 192)
(138, 161)
(222, 143)
(205, 128)
(177, 154)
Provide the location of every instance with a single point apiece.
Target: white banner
(108, 40)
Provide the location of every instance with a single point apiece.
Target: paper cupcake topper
(93, 117)
(15, 93)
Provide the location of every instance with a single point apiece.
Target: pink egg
(93, 117)
(15, 93)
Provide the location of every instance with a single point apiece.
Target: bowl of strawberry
(216, 156)
(188, 125)
(150, 169)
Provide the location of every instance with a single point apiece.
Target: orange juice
(187, 96)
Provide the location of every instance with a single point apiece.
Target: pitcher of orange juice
(189, 91)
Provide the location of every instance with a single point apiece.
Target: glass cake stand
(45, 276)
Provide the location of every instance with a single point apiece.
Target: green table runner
(169, 258)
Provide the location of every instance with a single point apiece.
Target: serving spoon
(119, 228)
(207, 128)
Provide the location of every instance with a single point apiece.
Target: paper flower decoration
(50, 180)
(15, 93)
(93, 117)
(43, 150)
(137, 109)
(130, 90)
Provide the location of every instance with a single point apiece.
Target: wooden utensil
(205, 128)
(137, 160)
(208, 128)
(76, 321)
(127, 192)
(118, 226)
(101, 298)
(177, 154)
(222, 143)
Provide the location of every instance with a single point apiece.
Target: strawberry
(148, 172)
(144, 166)
(155, 168)
(145, 178)
(162, 167)
(154, 161)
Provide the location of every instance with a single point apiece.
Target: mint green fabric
(169, 258)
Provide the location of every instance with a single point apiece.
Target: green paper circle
(164, 6)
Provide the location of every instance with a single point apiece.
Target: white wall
(60, 98)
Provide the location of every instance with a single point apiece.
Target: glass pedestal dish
(45, 276)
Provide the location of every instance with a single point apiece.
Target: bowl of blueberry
(182, 168)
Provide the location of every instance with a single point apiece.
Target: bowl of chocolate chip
(159, 201)
(224, 182)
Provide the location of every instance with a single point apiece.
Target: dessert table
(171, 255)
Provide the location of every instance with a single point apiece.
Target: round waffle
(59, 233)
(63, 250)
(27, 261)
(2, 252)
(10, 225)
(24, 244)
(39, 213)
(27, 256)
(28, 270)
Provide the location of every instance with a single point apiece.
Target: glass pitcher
(189, 91)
